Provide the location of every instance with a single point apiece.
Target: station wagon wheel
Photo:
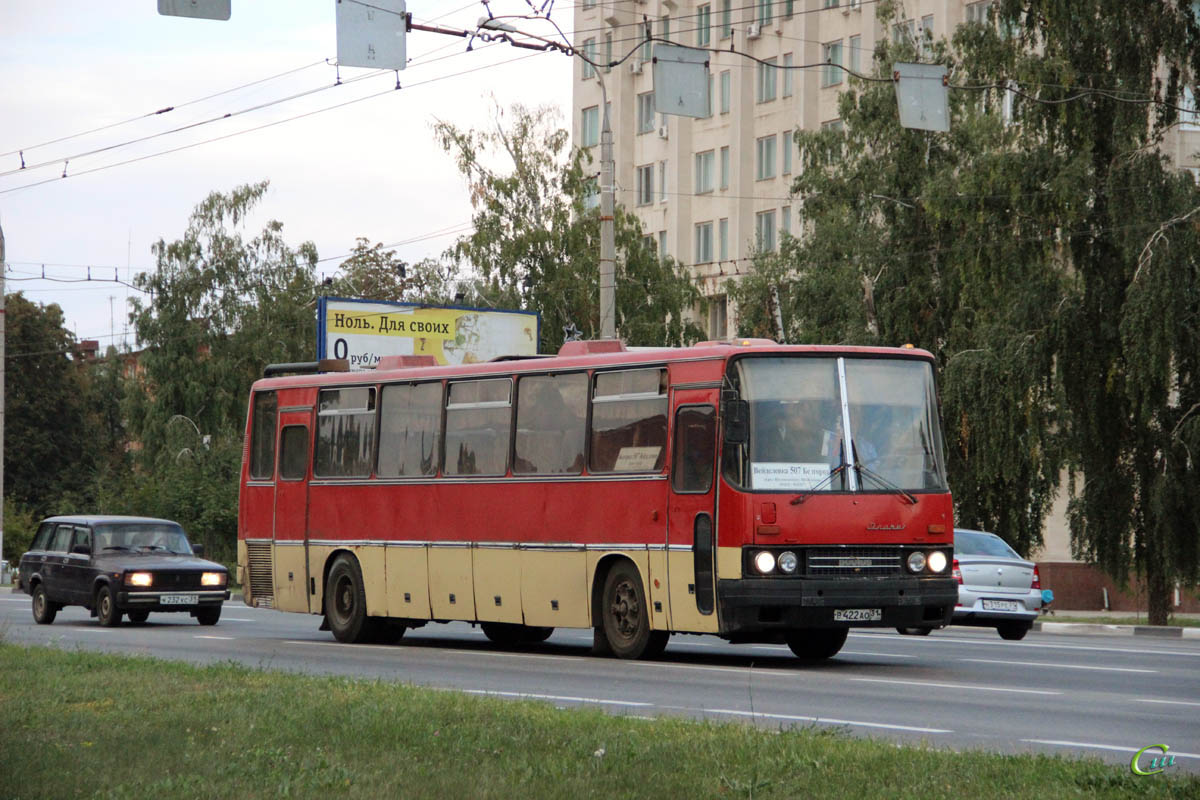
(43, 610)
(139, 617)
(1012, 631)
(106, 608)
(206, 616)
(346, 602)
(626, 621)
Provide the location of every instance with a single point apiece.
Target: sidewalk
(1047, 624)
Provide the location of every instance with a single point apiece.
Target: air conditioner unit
(753, 31)
(663, 132)
(635, 67)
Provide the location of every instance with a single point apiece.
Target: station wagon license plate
(179, 599)
(857, 614)
(1000, 605)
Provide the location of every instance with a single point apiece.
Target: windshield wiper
(884, 482)
(800, 498)
(114, 547)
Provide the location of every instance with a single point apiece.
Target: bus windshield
(837, 424)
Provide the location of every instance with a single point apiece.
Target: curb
(1090, 628)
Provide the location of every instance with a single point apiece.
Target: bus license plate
(857, 614)
(179, 599)
(1000, 605)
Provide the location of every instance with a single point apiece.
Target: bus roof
(580, 358)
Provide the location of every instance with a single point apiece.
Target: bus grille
(262, 574)
(852, 562)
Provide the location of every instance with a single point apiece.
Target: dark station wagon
(115, 566)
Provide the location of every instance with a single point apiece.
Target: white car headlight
(937, 561)
(916, 561)
(764, 562)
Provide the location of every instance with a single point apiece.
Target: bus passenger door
(292, 590)
(692, 539)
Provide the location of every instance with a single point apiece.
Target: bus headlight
(764, 562)
(788, 562)
(916, 561)
(937, 561)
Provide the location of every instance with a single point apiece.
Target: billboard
(361, 331)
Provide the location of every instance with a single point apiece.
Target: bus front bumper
(774, 605)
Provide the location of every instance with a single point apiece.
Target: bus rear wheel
(508, 633)
(817, 645)
(625, 619)
(346, 603)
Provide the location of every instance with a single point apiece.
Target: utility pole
(3, 270)
(608, 247)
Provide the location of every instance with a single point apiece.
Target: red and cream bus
(750, 490)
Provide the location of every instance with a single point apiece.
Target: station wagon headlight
(916, 561)
(937, 561)
(139, 579)
(212, 579)
(764, 562)
(788, 562)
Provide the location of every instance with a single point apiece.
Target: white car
(996, 587)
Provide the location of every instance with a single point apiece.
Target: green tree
(535, 243)
(1045, 256)
(373, 273)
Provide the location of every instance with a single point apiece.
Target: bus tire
(346, 602)
(817, 645)
(626, 620)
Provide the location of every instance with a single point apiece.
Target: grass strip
(86, 724)
(1172, 622)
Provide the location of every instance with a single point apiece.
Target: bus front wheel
(346, 602)
(817, 645)
(626, 621)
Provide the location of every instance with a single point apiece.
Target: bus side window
(551, 412)
(693, 456)
(478, 424)
(262, 437)
(345, 433)
(293, 453)
(629, 421)
(410, 430)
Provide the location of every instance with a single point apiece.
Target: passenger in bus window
(792, 433)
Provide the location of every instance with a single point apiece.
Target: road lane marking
(968, 687)
(556, 697)
(1165, 702)
(930, 640)
(223, 638)
(15, 599)
(1058, 666)
(864, 653)
(822, 720)
(1094, 746)
(237, 619)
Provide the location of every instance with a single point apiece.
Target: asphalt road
(961, 688)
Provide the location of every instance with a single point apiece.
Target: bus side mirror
(736, 414)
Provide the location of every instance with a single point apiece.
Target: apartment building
(709, 190)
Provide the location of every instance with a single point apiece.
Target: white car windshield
(970, 543)
(141, 537)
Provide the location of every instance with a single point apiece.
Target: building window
(832, 125)
(662, 245)
(765, 230)
(726, 18)
(591, 196)
(645, 185)
(765, 8)
(830, 4)
(725, 167)
(786, 144)
(766, 80)
(856, 54)
(589, 58)
(718, 317)
(645, 112)
(788, 74)
(704, 172)
(588, 4)
(789, 8)
(704, 248)
(785, 219)
(709, 109)
(925, 33)
(831, 54)
(1190, 119)
(662, 181)
(703, 25)
(978, 12)
(723, 239)
(589, 127)
(905, 32)
(726, 90)
(608, 52)
(664, 29)
(764, 160)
